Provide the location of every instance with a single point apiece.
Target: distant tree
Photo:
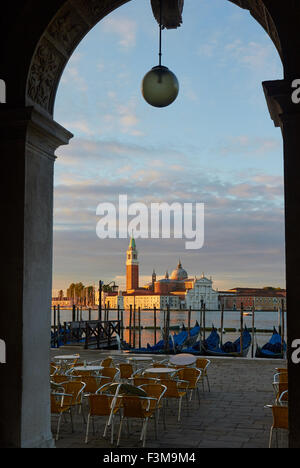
(75, 292)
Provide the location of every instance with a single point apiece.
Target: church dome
(179, 274)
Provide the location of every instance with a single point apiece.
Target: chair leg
(58, 425)
(87, 428)
(112, 430)
(179, 408)
(145, 432)
(142, 431)
(105, 429)
(198, 395)
(270, 439)
(120, 429)
(208, 383)
(71, 417)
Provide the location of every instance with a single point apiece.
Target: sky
(216, 145)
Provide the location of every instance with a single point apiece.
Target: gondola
(198, 348)
(176, 342)
(273, 348)
(229, 349)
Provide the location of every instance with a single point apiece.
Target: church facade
(177, 290)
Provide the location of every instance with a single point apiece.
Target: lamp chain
(160, 29)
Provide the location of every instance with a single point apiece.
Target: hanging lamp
(160, 86)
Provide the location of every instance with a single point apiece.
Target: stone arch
(37, 40)
(74, 19)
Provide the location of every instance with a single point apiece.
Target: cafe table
(183, 359)
(67, 357)
(88, 368)
(160, 370)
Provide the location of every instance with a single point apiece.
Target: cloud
(256, 57)
(124, 28)
(246, 144)
(73, 75)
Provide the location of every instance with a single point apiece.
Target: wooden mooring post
(130, 325)
(242, 326)
(222, 322)
(154, 320)
(139, 321)
(189, 321)
(253, 330)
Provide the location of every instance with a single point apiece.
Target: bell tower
(132, 266)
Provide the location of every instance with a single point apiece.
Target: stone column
(28, 141)
(286, 115)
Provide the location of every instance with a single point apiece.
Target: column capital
(41, 132)
(278, 95)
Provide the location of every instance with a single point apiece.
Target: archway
(32, 69)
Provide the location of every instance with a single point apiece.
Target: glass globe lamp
(160, 86)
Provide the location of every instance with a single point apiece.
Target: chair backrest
(202, 363)
(106, 362)
(154, 390)
(280, 377)
(91, 383)
(282, 387)
(53, 369)
(60, 378)
(74, 388)
(133, 406)
(55, 405)
(190, 374)
(284, 397)
(280, 417)
(126, 370)
(109, 372)
(100, 404)
(171, 388)
(79, 373)
(157, 364)
(138, 381)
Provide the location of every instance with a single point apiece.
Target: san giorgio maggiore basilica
(177, 290)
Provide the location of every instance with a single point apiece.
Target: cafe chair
(202, 364)
(176, 390)
(59, 406)
(280, 421)
(126, 371)
(156, 391)
(75, 391)
(192, 376)
(137, 407)
(108, 375)
(103, 405)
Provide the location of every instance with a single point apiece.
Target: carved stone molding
(74, 19)
(45, 70)
(259, 11)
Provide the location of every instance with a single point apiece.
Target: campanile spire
(132, 266)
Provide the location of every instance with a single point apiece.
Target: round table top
(68, 356)
(160, 370)
(183, 359)
(88, 368)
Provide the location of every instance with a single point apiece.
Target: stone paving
(231, 415)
